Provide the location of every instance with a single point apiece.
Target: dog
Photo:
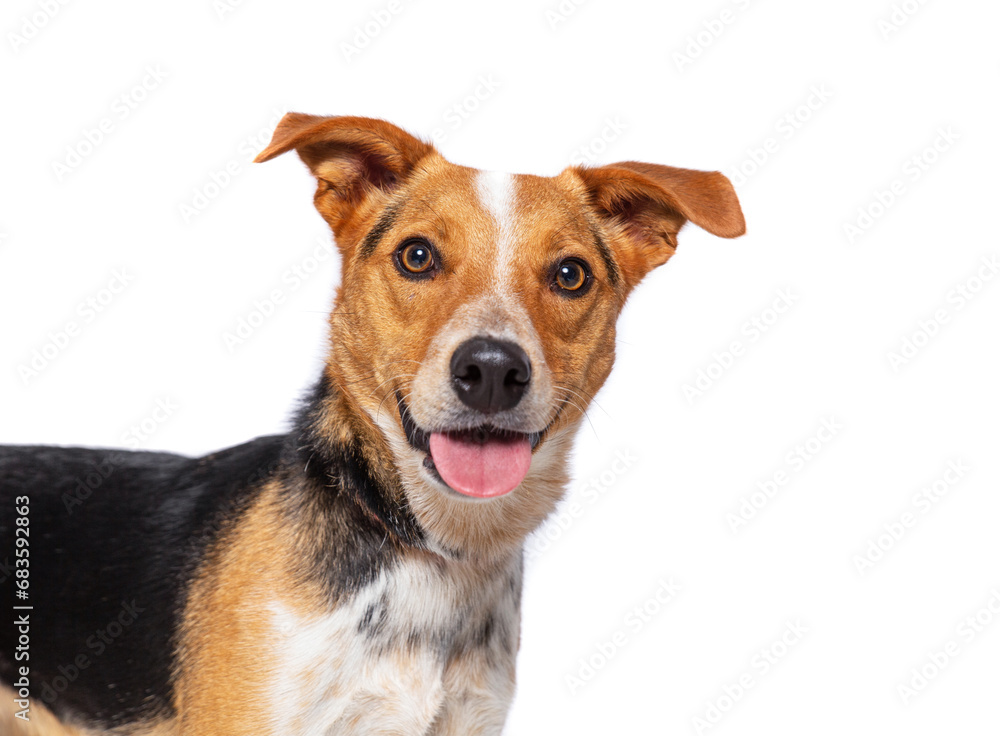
(362, 573)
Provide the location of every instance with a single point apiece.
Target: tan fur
(228, 647)
(253, 615)
(384, 327)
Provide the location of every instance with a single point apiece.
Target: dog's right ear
(352, 158)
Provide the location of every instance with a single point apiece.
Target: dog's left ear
(352, 158)
(645, 205)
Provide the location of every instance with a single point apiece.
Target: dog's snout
(490, 375)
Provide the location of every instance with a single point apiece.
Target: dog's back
(113, 537)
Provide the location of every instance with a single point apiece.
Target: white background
(560, 83)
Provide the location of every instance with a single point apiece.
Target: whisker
(392, 378)
(378, 411)
(576, 406)
(589, 396)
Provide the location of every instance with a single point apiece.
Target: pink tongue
(481, 469)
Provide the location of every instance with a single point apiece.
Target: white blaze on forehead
(496, 192)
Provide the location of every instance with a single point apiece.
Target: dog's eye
(415, 257)
(571, 277)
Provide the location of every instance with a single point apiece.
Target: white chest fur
(391, 658)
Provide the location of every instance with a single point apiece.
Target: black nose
(490, 375)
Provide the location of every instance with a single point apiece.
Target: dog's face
(476, 316)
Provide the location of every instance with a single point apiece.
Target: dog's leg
(479, 687)
(399, 695)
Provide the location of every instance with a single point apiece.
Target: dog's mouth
(482, 462)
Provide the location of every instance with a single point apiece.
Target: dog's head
(476, 315)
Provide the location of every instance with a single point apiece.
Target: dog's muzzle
(488, 376)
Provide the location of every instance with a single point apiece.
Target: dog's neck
(349, 456)
(347, 496)
(364, 455)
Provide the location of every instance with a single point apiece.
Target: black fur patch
(363, 528)
(384, 223)
(114, 538)
(614, 276)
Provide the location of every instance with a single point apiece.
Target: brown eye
(415, 258)
(571, 277)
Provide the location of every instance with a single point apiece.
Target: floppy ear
(351, 158)
(645, 205)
